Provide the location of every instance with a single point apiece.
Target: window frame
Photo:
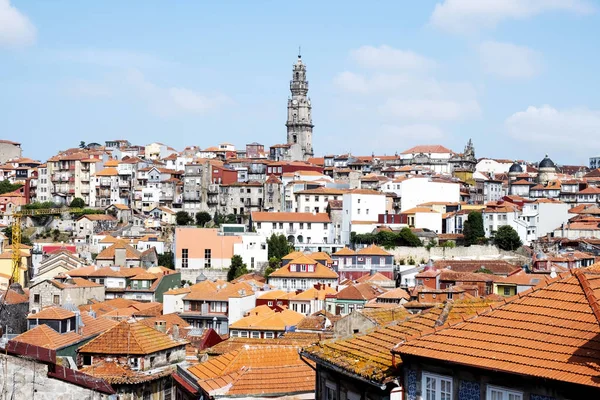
(506, 393)
(437, 395)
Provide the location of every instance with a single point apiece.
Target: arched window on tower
(297, 76)
(295, 138)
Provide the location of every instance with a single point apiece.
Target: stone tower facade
(299, 118)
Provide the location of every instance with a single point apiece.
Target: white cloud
(575, 131)
(16, 30)
(386, 57)
(508, 60)
(463, 16)
(170, 101)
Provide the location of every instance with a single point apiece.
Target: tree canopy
(237, 268)
(279, 246)
(7, 187)
(77, 202)
(473, 228)
(388, 239)
(183, 218)
(202, 218)
(507, 238)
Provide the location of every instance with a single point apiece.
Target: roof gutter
(381, 386)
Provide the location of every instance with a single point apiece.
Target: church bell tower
(299, 119)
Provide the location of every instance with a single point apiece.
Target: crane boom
(17, 233)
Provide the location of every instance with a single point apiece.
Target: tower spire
(299, 51)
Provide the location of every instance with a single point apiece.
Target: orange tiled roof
(170, 320)
(52, 312)
(373, 250)
(547, 332)
(48, 338)
(434, 148)
(369, 355)
(344, 252)
(377, 277)
(12, 297)
(313, 293)
(109, 252)
(360, 291)
(268, 320)
(321, 271)
(256, 371)
(129, 338)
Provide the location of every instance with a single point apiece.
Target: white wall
(432, 221)
(238, 306)
(253, 246)
(173, 303)
(417, 191)
(362, 208)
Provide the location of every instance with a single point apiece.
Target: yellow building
(6, 266)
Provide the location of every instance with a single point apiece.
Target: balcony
(85, 189)
(192, 197)
(124, 184)
(104, 182)
(213, 188)
(85, 177)
(213, 200)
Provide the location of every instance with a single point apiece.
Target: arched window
(297, 76)
(295, 139)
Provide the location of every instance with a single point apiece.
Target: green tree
(279, 246)
(237, 268)
(507, 238)
(24, 238)
(473, 228)
(82, 144)
(274, 264)
(166, 260)
(408, 238)
(202, 218)
(7, 187)
(183, 218)
(77, 202)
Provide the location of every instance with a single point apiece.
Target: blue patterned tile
(469, 390)
(540, 397)
(411, 391)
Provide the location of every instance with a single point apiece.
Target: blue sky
(519, 77)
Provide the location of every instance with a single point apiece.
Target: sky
(518, 77)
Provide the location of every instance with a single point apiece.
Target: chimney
(175, 332)
(120, 256)
(161, 326)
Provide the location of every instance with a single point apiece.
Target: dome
(516, 168)
(200, 278)
(547, 163)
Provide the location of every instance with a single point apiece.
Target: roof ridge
(588, 293)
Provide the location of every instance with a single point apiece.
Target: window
(330, 392)
(56, 299)
(281, 225)
(36, 298)
(507, 291)
(258, 225)
(244, 334)
(436, 387)
(270, 303)
(499, 393)
(302, 224)
(308, 225)
(255, 335)
(207, 258)
(234, 334)
(184, 258)
(358, 211)
(269, 335)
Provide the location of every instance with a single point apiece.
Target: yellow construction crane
(16, 233)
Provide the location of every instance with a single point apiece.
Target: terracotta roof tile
(360, 291)
(109, 252)
(129, 338)
(52, 312)
(548, 332)
(48, 338)
(321, 271)
(276, 321)
(373, 250)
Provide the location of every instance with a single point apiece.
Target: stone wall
(13, 319)
(27, 379)
(459, 253)
(212, 274)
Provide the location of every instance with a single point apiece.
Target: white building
(504, 214)
(307, 231)
(542, 217)
(434, 157)
(302, 273)
(316, 200)
(361, 208)
(492, 166)
(419, 190)
(424, 218)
